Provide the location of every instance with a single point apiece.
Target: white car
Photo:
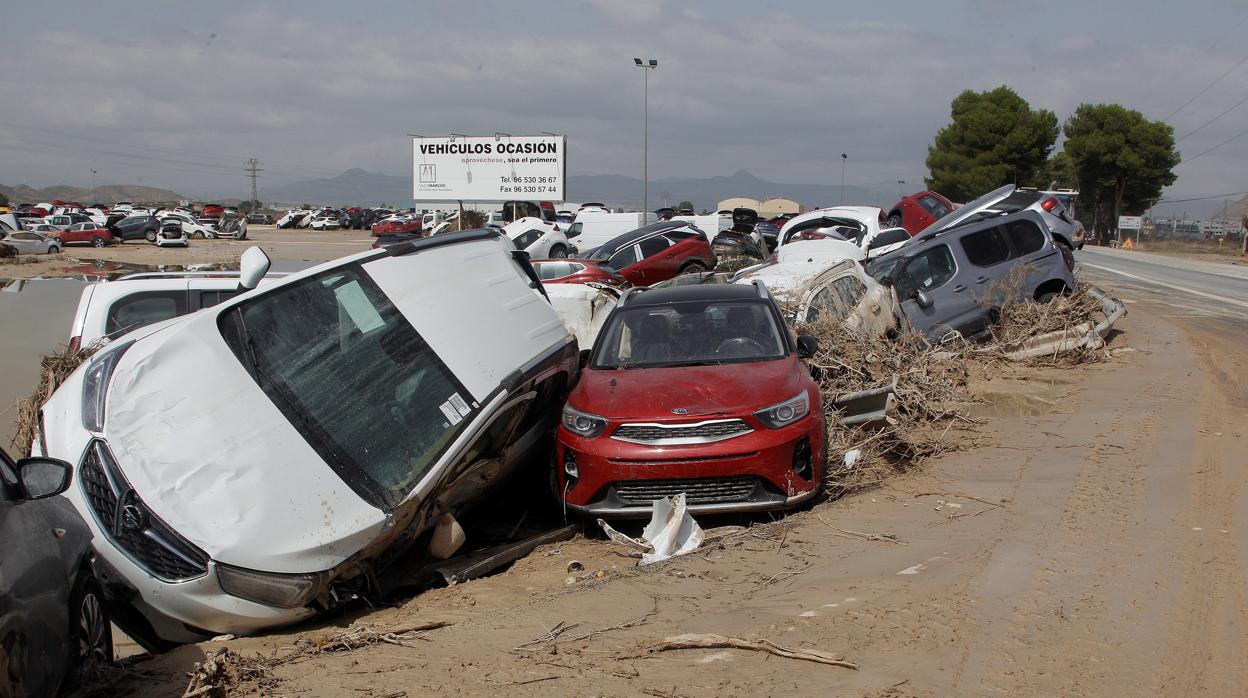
(325, 222)
(859, 225)
(171, 234)
(30, 242)
(252, 464)
(109, 309)
(290, 218)
(190, 225)
(821, 289)
(542, 240)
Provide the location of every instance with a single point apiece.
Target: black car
(54, 629)
(770, 232)
(142, 226)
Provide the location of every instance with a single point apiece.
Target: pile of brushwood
(929, 408)
(55, 369)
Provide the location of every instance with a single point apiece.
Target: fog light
(569, 466)
(801, 459)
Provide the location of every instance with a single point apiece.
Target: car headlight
(270, 588)
(95, 386)
(583, 423)
(786, 412)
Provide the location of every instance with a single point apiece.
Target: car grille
(131, 526)
(709, 490)
(673, 434)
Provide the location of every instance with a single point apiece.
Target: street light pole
(646, 66)
(900, 191)
(92, 182)
(844, 157)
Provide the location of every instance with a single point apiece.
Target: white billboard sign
(489, 168)
(1130, 222)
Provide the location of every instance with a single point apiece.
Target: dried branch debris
(699, 641)
(54, 370)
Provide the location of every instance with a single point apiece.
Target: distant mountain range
(361, 187)
(107, 194)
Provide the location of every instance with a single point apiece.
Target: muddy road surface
(1087, 539)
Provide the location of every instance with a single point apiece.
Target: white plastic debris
(670, 533)
(851, 458)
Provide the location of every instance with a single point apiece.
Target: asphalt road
(1180, 287)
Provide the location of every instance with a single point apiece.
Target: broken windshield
(689, 334)
(353, 377)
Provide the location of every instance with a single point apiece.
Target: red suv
(657, 252)
(695, 389)
(92, 234)
(917, 211)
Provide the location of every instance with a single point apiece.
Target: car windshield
(354, 378)
(883, 266)
(690, 334)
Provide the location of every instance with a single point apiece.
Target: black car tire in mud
(694, 267)
(99, 241)
(558, 252)
(150, 234)
(90, 632)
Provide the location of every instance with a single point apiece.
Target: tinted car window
(1026, 237)
(653, 246)
(985, 248)
(527, 238)
(143, 309)
(207, 299)
(933, 206)
(888, 237)
(690, 333)
(929, 269)
(623, 258)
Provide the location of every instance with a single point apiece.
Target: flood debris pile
(921, 388)
(54, 369)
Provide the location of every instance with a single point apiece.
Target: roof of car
(643, 231)
(700, 292)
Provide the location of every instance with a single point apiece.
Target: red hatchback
(87, 234)
(694, 389)
(397, 225)
(917, 211)
(657, 252)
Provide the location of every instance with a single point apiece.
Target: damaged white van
(250, 464)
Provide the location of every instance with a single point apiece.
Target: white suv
(109, 309)
(252, 464)
(540, 239)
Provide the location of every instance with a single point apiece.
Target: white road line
(1194, 292)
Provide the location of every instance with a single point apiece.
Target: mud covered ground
(1086, 540)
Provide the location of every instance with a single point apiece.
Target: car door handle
(959, 288)
(981, 280)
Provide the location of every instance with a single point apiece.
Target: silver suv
(955, 279)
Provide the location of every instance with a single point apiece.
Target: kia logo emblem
(680, 410)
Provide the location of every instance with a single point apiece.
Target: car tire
(558, 252)
(53, 249)
(98, 241)
(150, 235)
(90, 633)
(198, 235)
(694, 267)
(1046, 298)
(893, 220)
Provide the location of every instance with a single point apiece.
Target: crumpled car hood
(210, 454)
(652, 393)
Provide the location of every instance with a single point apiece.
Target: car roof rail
(762, 288)
(628, 295)
(190, 275)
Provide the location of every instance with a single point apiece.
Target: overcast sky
(178, 94)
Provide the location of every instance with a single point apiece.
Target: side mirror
(922, 299)
(253, 265)
(807, 346)
(43, 477)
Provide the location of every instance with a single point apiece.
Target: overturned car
(248, 465)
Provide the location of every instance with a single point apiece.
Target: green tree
(684, 204)
(996, 138)
(1122, 162)
(1058, 173)
(4, 200)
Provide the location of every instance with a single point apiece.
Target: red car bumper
(763, 470)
